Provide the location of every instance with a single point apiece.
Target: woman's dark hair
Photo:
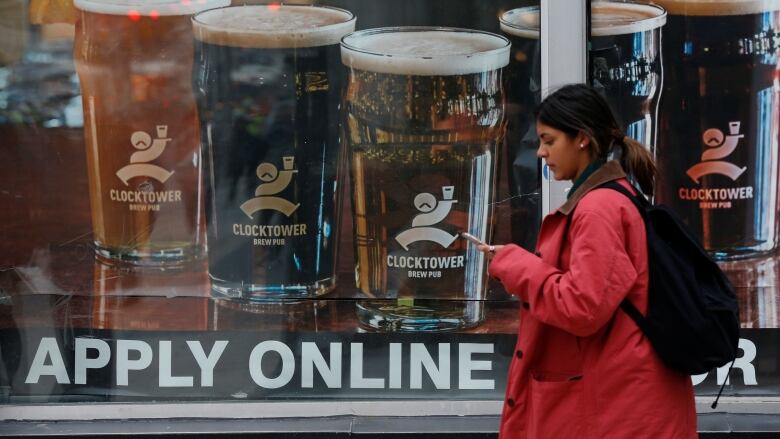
(579, 108)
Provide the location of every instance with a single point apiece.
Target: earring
(582, 146)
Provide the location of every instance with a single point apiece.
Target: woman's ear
(582, 140)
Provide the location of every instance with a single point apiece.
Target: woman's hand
(489, 250)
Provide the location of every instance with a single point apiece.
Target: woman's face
(566, 156)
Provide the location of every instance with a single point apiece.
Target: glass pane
(240, 207)
(697, 83)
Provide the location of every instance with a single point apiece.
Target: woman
(582, 368)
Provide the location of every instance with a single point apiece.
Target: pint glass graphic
(425, 116)
(625, 58)
(134, 61)
(720, 121)
(625, 65)
(269, 81)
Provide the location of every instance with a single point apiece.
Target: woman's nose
(540, 152)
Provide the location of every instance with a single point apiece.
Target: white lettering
(312, 357)
(425, 263)
(715, 194)
(207, 363)
(743, 362)
(166, 378)
(144, 197)
(256, 360)
(466, 365)
(123, 362)
(420, 358)
(47, 348)
(396, 354)
(356, 379)
(83, 362)
(277, 370)
(255, 230)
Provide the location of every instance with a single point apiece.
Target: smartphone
(472, 238)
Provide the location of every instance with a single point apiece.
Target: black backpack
(692, 317)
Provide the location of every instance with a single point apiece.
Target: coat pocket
(556, 406)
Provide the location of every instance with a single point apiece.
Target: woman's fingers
(489, 249)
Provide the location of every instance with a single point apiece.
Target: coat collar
(609, 172)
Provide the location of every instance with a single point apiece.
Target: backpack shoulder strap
(639, 200)
(641, 203)
(635, 315)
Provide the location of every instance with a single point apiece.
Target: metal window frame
(564, 42)
(564, 58)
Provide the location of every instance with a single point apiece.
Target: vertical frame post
(564, 42)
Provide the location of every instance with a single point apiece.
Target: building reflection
(755, 281)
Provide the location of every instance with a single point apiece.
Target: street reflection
(174, 300)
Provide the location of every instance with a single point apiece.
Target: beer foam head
(614, 18)
(273, 26)
(718, 7)
(607, 18)
(148, 7)
(521, 22)
(424, 51)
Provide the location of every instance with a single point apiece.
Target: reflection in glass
(150, 299)
(284, 317)
(755, 282)
(523, 91)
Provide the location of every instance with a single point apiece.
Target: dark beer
(425, 116)
(718, 148)
(268, 82)
(625, 63)
(134, 60)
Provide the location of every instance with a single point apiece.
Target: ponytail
(637, 161)
(578, 108)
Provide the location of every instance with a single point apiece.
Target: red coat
(582, 368)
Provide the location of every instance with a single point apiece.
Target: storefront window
(261, 202)
(242, 206)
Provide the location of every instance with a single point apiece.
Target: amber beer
(269, 83)
(425, 116)
(720, 122)
(134, 61)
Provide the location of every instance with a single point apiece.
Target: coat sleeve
(584, 298)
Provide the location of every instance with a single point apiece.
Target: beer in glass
(720, 122)
(625, 64)
(268, 81)
(425, 117)
(134, 61)
(625, 58)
